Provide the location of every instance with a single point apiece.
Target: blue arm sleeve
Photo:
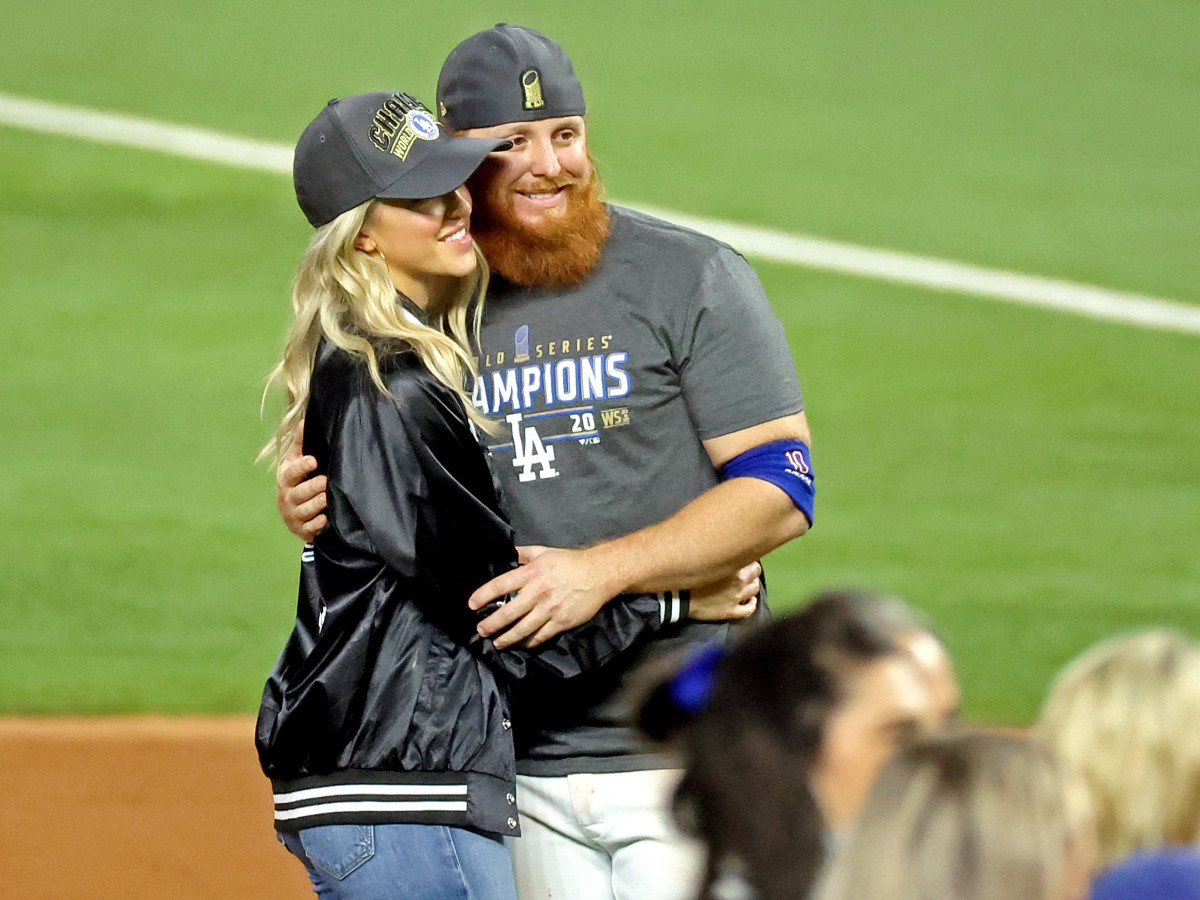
(786, 464)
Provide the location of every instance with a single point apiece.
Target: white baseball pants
(605, 836)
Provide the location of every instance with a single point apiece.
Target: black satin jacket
(386, 705)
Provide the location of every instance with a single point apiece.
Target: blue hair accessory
(692, 685)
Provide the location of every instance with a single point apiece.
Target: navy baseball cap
(508, 73)
(379, 145)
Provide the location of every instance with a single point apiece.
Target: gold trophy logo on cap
(531, 84)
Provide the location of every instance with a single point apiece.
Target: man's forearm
(712, 537)
(707, 541)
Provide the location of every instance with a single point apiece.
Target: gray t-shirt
(605, 392)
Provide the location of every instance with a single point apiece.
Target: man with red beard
(631, 360)
(653, 426)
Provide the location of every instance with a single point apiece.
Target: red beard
(558, 254)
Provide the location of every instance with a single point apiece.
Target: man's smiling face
(535, 181)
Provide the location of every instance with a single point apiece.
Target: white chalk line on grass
(762, 243)
(145, 134)
(945, 275)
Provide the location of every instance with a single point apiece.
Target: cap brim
(451, 162)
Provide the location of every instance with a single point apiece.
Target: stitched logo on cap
(399, 122)
(531, 84)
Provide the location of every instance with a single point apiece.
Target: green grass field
(1027, 477)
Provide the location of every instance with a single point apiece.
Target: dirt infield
(131, 808)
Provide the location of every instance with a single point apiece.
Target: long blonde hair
(968, 817)
(347, 296)
(1126, 713)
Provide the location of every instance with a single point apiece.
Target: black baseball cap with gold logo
(379, 145)
(508, 73)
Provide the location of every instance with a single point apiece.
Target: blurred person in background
(968, 817)
(914, 634)
(780, 739)
(1126, 714)
(880, 701)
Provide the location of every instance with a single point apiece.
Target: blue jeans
(414, 862)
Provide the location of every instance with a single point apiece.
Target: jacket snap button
(506, 724)
(510, 798)
(512, 823)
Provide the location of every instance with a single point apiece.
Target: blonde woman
(1126, 714)
(385, 726)
(969, 817)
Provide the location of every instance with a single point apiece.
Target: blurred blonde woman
(384, 726)
(968, 817)
(1126, 714)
